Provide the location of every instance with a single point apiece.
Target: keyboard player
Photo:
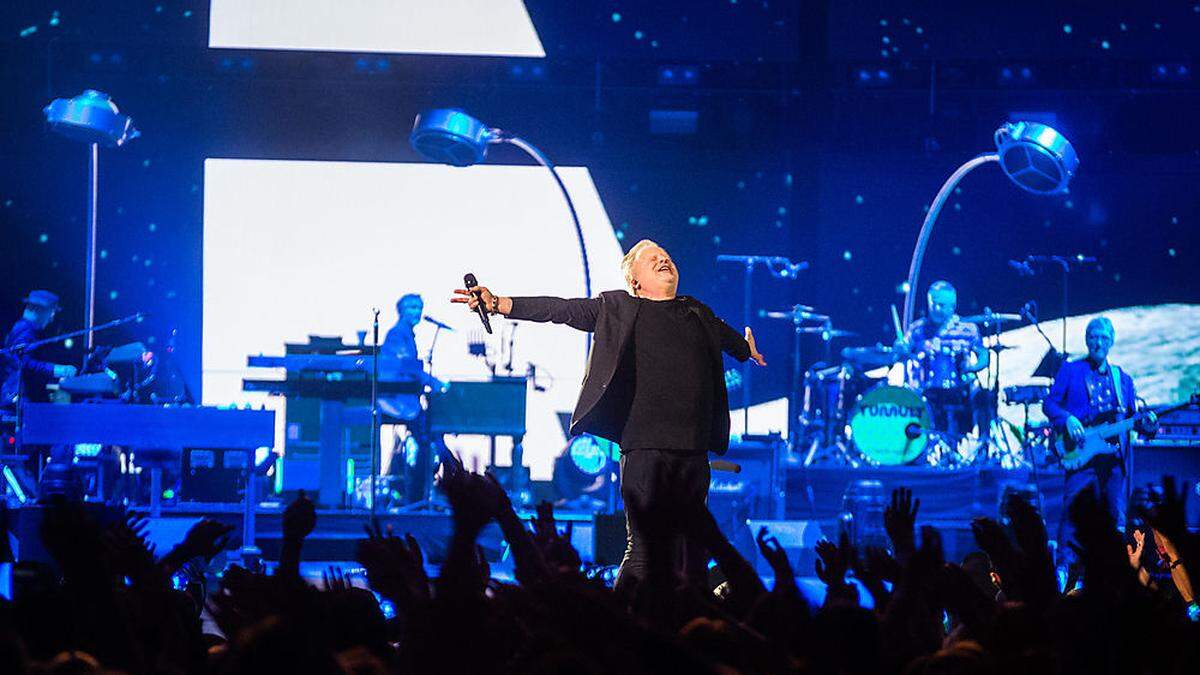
(29, 372)
(398, 359)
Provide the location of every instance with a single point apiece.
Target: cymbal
(992, 319)
(831, 332)
(870, 357)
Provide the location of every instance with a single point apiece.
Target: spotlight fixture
(91, 118)
(451, 136)
(1035, 156)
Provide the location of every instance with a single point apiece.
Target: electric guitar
(1104, 439)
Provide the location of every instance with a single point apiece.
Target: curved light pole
(1034, 156)
(451, 136)
(92, 118)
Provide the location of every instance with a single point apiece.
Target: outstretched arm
(740, 347)
(578, 313)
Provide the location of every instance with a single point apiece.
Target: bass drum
(890, 425)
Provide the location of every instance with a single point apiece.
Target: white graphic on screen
(451, 27)
(299, 248)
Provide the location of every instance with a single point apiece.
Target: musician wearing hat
(26, 371)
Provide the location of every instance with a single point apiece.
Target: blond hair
(627, 261)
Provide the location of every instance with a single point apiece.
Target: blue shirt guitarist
(1086, 394)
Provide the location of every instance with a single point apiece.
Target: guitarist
(1085, 393)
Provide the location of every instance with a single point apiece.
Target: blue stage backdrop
(814, 130)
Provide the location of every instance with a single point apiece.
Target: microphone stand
(375, 449)
(1064, 263)
(19, 351)
(780, 268)
(1038, 327)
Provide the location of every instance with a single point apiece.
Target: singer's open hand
(474, 296)
(754, 353)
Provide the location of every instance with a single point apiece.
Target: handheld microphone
(437, 323)
(470, 282)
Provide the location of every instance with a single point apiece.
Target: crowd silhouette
(109, 604)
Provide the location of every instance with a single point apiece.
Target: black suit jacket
(601, 409)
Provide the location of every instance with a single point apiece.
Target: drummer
(942, 331)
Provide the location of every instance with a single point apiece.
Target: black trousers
(651, 478)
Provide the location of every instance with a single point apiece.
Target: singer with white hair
(654, 385)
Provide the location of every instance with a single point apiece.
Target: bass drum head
(883, 421)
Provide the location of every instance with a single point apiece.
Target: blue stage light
(451, 136)
(678, 75)
(590, 454)
(1036, 157)
(92, 118)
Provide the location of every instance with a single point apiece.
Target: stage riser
(946, 496)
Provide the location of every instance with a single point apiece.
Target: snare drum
(889, 425)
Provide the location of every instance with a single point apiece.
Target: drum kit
(877, 408)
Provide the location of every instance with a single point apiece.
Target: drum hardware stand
(995, 431)
(1027, 447)
(376, 460)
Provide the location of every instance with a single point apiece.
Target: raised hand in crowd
(129, 551)
(899, 520)
(333, 579)
(204, 540)
(874, 567)
(833, 560)
(395, 568)
(776, 557)
(1176, 545)
(556, 547)
(1036, 564)
(299, 519)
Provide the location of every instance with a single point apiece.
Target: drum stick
(725, 465)
(896, 323)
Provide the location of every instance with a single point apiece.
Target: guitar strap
(1115, 372)
(1119, 392)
